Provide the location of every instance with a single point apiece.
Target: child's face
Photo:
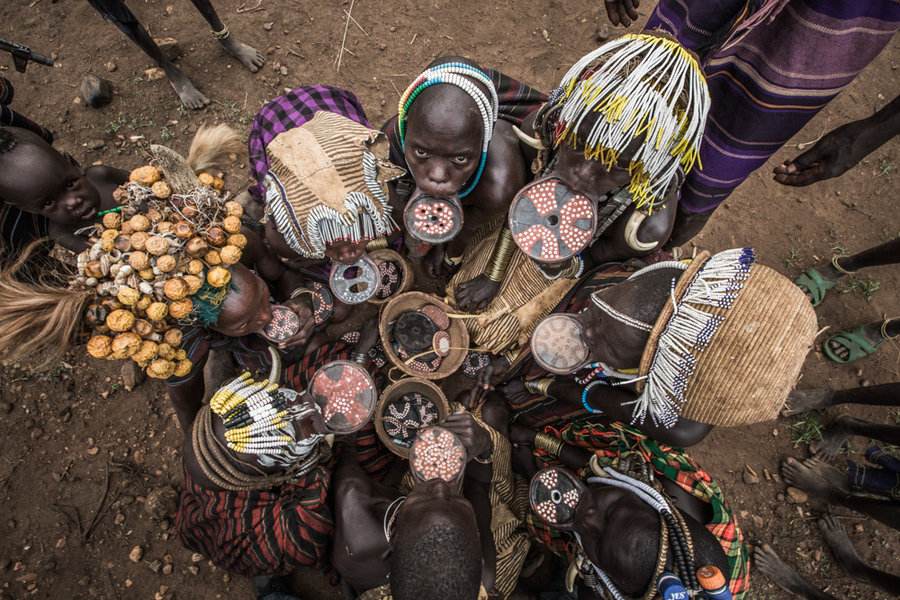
(38, 179)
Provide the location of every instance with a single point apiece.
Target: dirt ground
(84, 464)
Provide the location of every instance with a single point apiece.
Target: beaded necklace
(460, 75)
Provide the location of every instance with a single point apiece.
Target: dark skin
(622, 12)
(189, 95)
(787, 578)
(360, 547)
(443, 149)
(246, 310)
(608, 513)
(841, 149)
(38, 179)
(593, 179)
(621, 347)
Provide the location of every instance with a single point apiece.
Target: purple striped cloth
(293, 110)
(771, 66)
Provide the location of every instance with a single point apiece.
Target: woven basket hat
(730, 346)
(327, 181)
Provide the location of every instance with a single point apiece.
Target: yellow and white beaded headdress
(645, 87)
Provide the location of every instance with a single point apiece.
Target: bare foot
(190, 96)
(839, 543)
(783, 575)
(801, 401)
(814, 477)
(249, 56)
(836, 434)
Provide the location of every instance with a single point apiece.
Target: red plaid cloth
(259, 532)
(612, 443)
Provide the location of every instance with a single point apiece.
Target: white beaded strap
(619, 316)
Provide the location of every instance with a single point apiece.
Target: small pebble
(797, 496)
(136, 554)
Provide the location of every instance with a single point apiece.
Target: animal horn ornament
(531, 141)
(631, 230)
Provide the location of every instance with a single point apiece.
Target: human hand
(472, 435)
(307, 324)
(368, 337)
(521, 436)
(434, 262)
(832, 156)
(514, 392)
(622, 12)
(474, 295)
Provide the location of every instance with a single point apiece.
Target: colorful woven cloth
(615, 442)
(259, 532)
(771, 66)
(288, 112)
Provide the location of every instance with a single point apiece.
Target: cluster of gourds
(146, 259)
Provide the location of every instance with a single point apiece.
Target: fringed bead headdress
(460, 75)
(729, 345)
(327, 181)
(645, 87)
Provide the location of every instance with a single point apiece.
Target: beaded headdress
(642, 86)
(461, 75)
(327, 181)
(728, 346)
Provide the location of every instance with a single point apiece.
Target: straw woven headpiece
(327, 181)
(729, 347)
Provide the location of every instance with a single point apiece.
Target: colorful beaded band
(455, 74)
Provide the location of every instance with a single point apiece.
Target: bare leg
(124, 19)
(883, 254)
(814, 477)
(250, 57)
(844, 427)
(801, 401)
(784, 576)
(846, 556)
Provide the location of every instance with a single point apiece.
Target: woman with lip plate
(617, 135)
(674, 349)
(436, 538)
(454, 133)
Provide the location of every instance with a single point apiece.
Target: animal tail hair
(37, 320)
(211, 147)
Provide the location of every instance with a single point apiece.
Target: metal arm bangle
(503, 252)
(539, 386)
(548, 443)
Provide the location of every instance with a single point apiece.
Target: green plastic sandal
(814, 285)
(855, 341)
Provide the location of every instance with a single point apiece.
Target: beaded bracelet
(584, 399)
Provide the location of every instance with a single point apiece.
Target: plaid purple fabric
(293, 110)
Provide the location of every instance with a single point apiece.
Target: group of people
(577, 354)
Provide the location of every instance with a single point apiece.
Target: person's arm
(841, 149)
(67, 239)
(611, 401)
